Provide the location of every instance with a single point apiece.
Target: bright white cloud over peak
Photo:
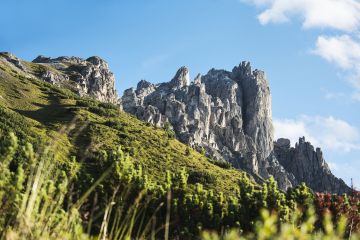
(343, 50)
(342, 15)
(328, 133)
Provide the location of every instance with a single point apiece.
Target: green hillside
(38, 110)
(99, 173)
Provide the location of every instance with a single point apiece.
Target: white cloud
(333, 166)
(356, 96)
(259, 3)
(341, 50)
(291, 129)
(328, 133)
(334, 95)
(344, 52)
(341, 15)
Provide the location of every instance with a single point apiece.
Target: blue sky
(311, 58)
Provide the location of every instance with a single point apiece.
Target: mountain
(90, 77)
(49, 102)
(308, 165)
(228, 114)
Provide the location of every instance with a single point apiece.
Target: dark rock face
(90, 77)
(308, 165)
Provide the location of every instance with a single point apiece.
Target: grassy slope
(39, 110)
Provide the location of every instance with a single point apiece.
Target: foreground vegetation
(40, 200)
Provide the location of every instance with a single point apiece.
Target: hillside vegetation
(36, 110)
(75, 168)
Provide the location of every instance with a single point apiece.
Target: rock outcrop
(229, 115)
(308, 165)
(11, 58)
(226, 113)
(90, 77)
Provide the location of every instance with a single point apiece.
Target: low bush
(222, 164)
(117, 200)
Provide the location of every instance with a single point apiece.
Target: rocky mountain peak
(228, 114)
(62, 59)
(97, 61)
(181, 78)
(197, 79)
(12, 59)
(91, 77)
(282, 143)
(243, 70)
(308, 165)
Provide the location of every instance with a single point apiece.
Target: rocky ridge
(308, 165)
(228, 113)
(90, 77)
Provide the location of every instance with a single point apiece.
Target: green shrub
(85, 103)
(200, 177)
(108, 106)
(115, 124)
(169, 130)
(103, 111)
(222, 164)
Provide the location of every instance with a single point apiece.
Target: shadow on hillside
(52, 113)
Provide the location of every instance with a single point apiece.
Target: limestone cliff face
(308, 165)
(229, 115)
(90, 77)
(226, 113)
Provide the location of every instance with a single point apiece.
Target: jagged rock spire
(226, 113)
(197, 79)
(181, 78)
(92, 76)
(222, 112)
(308, 165)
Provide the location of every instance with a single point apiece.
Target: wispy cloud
(333, 166)
(344, 52)
(341, 50)
(327, 132)
(329, 95)
(343, 16)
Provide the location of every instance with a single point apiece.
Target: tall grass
(36, 199)
(270, 227)
(37, 202)
(32, 197)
